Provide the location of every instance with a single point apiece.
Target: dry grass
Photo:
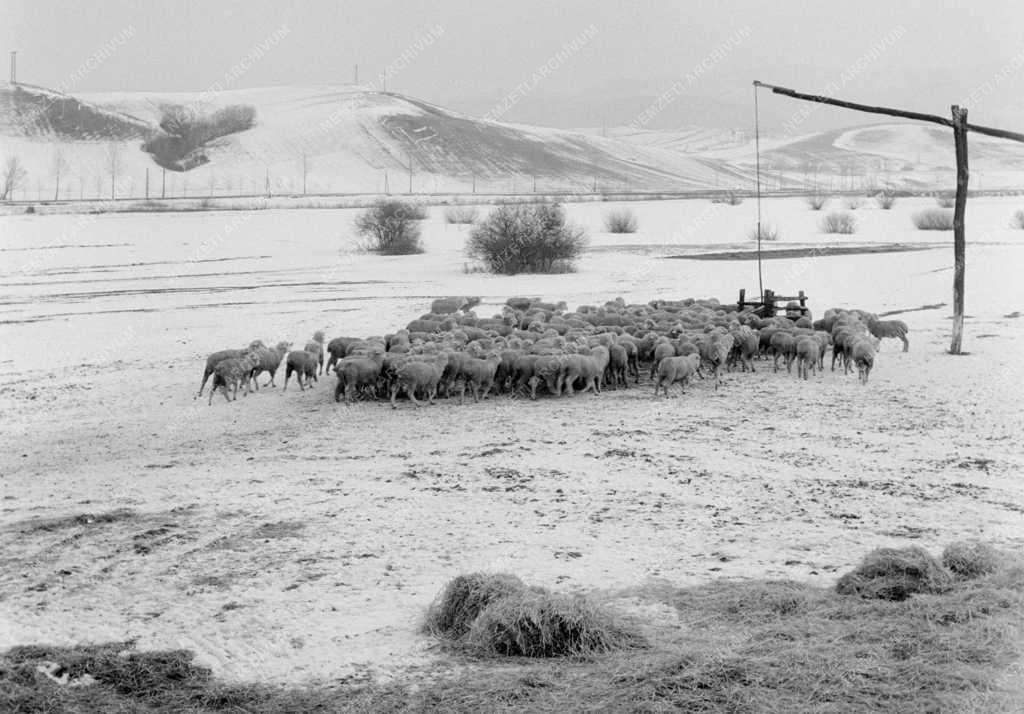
(533, 622)
(838, 222)
(971, 559)
(933, 219)
(737, 646)
(730, 199)
(896, 574)
(453, 612)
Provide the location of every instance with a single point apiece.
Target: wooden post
(743, 295)
(163, 183)
(147, 182)
(959, 237)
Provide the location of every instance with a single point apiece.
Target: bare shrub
(885, 200)
(461, 214)
(816, 201)
(768, 232)
(621, 221)
(13, 176)
(1018, 220)
(946, 200)
(933, 219)
(854, 202)
(731, 198)
(527, 239)
(390, 228)
(838, 222)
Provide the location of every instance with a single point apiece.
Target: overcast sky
(470, 54)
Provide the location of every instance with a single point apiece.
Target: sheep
(747, 348)
(478, 374)
(862, 354)
(581, 368)
(449, 305)
(316, 347)
(715, 352)
(338, 349)
(303, 364)
(357, 372)
(418, 375)
(661, 351)
(268, 359)
(889, 328)
(232, 372)
(676, 369)
(547, 370)
(783, 345)
(214, 359)
(808, 350)
(618, 366)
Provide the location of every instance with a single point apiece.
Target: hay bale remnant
(895, 574)
(464, 597)
(970, 559)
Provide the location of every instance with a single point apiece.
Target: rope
(757, 152)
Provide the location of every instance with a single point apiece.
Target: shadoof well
(960, 127)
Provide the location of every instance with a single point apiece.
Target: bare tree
(57, 167)
(14, 174)
(113, 165)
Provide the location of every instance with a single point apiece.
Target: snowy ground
(288, 537)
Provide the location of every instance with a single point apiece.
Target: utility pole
(14, 66)
(410, 172)
(163, 183)
(357, 74)
(147, 182)
(960, 127)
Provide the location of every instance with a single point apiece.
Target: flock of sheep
(534, 345)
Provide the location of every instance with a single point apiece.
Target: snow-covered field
(288, 537)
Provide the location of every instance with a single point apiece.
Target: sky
(556, 62)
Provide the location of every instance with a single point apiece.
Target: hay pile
(896, 574)
(970, 559)
(499, 615)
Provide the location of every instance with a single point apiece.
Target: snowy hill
(351, 139)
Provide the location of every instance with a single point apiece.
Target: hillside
(347, 138)
(351, 139)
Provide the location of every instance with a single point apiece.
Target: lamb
(862, 354)
(232, 372)
(808, 352)
(418, 375)
(268, 359)
(316, 347)
(889, 328)
(676, 369)
(303, 364)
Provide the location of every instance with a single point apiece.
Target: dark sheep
(304, 365)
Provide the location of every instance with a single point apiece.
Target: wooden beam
(889, 111)
(857, 107)
(959, 236)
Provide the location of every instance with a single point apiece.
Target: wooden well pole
(960, 128)
(959, 234)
